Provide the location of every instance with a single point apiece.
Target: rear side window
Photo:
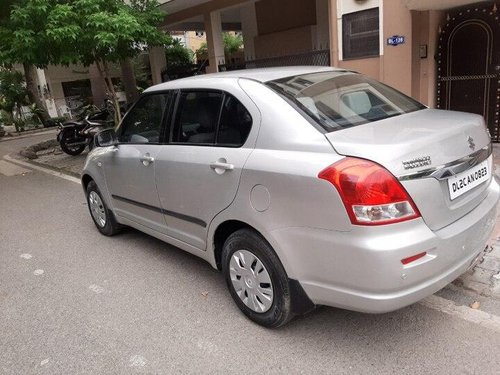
(143, 123)
(235, 123)
(210, 118)
(197, 117)
(337, 100)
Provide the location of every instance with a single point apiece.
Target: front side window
(337, 100)
(143, 123)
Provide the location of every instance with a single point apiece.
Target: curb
(30, 151)
(27, 135)
(73, 177)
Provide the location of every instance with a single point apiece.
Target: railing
(316, 58)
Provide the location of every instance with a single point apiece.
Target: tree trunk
(104, 71)
(129, 82)
(97, 85)
(30, 76)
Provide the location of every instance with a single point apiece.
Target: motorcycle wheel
(67, 137)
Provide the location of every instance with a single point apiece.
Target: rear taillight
(371, 194)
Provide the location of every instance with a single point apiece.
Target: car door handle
(220, 166)
(146, 159)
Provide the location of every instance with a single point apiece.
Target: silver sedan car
(305, 186)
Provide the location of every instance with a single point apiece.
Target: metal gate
(469, 63)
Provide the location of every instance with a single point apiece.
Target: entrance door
(469, 64)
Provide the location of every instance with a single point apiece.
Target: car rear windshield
(341, 99)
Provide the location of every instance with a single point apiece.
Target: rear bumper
(361, 270)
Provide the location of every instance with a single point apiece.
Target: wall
(369, 66)
(398, 66)
(55, 75)
(285, 27)
(350, 6)
(322, 38)
(425, 33)
(429, 85)
(279, 15)
(396, 62)
(284, 42)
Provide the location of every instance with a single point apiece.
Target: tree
(23, 41)
(108, 31)
(177, 55)
(13, 93)
(232, 44)
(42, 32)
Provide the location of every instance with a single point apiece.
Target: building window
(360, 32)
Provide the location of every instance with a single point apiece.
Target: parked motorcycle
(74, 136)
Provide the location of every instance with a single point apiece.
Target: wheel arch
(223, 231)
(301, 303)
(86, 178)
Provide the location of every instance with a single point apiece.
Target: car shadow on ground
(327, 320)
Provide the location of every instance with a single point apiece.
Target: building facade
(443, 53)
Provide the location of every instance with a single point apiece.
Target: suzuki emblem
(472, 145)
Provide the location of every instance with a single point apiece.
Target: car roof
(260, 75)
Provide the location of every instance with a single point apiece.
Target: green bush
(19, 124)
(177, 55)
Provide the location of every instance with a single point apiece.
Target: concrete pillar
(322, 39)
(249, 29)
(45, 93)
(333, 32)
(215, 46)
(97, 86)
(158, 62)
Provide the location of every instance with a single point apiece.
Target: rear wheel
(103, 217)
(256, 279)
(67, 138)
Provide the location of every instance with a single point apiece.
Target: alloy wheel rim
(97, 209)
(251, 281)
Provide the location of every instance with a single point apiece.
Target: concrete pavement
(75, 302)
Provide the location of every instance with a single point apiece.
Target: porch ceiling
(230, 18)
(174, 6)
(182, 11)
(437, 4)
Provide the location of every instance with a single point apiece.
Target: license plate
(465, 181)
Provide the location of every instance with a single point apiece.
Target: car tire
(103, 217)
(262, 265)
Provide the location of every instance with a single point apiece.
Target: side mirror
(106, 138)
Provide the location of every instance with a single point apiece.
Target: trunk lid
(413, 145)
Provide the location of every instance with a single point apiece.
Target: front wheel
(256, 279)
(67, 137)
(102, 216)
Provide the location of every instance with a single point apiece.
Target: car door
(198, 172)
(130, 168)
